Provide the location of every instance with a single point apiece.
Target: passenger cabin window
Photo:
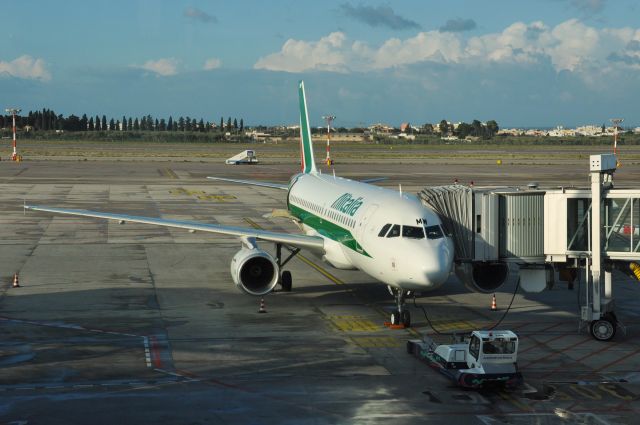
(433, 232)
(412, 232)
(394, 232)
(384, 230)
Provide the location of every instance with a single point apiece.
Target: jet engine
(484, 277)
(254, 271)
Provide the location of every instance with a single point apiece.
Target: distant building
(380, 128)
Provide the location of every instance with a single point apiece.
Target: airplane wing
(253, 182)
(313, 243)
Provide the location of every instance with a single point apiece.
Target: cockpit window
(413, 232)
(384, 230)
(433, 232)
(394, 232)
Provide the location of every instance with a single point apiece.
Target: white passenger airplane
(389, 235)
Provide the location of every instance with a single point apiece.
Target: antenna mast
(329, 119)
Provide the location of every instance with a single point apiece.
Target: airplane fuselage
(390, 236)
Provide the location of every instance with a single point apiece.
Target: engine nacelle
(254, 271)
(482, 277)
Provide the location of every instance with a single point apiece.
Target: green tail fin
(307, 162)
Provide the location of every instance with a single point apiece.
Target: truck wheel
(286, 281)
(603, 329)
(406, 318)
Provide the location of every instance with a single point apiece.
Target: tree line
(463, 129)
(48, 120)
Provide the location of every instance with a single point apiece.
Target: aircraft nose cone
(437, 272)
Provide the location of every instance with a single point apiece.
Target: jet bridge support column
(598, 311)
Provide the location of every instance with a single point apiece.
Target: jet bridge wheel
(286, 281)
(604, 329)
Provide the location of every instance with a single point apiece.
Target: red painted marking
(593, 353)
(555, 353)
(542, 343)
(157, 361)
(617, 361)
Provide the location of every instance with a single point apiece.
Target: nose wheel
(400, 316)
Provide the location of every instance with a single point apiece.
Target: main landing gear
(400, 316)
(285, 280)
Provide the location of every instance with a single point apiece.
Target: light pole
(13, 112)
(616, 122)
(329, 119)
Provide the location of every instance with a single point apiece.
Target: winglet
(307, 162)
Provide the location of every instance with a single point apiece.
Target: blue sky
(520, 62)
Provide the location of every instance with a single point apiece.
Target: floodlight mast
(616, 122)
(329, 119)
(13, 112)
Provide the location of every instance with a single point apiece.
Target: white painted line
(147, 353)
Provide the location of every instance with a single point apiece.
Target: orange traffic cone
(262, 308)
(16, 283)
(494, 306)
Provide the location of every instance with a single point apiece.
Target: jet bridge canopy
(596, 228)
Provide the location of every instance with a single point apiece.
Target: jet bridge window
(384, 230)
(433, 232)
(394, 232)
(412, 232)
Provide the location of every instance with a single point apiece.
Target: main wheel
(286, 281)
(395, 317)
(603, 329)
(406, 318)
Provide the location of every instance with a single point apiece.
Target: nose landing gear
(400, 316)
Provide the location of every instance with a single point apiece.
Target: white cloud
(296, 55)
(212, 63)
(571, 46)
(26, 67)
(163, 67)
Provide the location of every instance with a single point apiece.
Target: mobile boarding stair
(564, 230)
(244, 157)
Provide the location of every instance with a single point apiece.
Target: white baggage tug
(486, 357)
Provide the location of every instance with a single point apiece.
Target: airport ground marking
(202, 195)
(555, 353)
(350, 323)
(157, 360)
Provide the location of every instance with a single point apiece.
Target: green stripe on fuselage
(328, 229)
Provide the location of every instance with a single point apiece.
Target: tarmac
(139, 324)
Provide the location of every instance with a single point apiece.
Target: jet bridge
(560, 231)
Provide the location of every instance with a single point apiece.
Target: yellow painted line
(514, 401)
(376, 341)
(446, 325)
(169, 173)
(353, 324)
(203, 196)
